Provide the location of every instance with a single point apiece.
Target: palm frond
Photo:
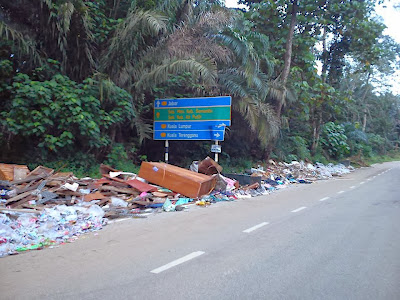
(129, 38)
(204, 69)
(65, 12)
(261, 118)
(235, 44)
(25, 45)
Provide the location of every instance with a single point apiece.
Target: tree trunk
(285, 71)
(365, 110)
(114, 11)
(316, 125)
(324, 57)
(287, 57)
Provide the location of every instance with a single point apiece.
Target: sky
(391, 18)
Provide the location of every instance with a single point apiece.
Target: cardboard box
(12, 172)
(179, 180)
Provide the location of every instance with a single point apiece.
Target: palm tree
(204, 44)
(60, 30)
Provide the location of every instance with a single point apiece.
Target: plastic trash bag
(118, 202)
(95, 211)
(168, 206)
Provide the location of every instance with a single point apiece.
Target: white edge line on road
(118, 220)
(362, 182)
(255, 227)
(323, 199)
(177, 262)
(353, 186)
(299, 209)
(340, 192)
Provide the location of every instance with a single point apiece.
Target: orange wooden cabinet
(179, 180)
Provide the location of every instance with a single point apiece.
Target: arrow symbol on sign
(158, 103)
(221, 125)
(217, 135)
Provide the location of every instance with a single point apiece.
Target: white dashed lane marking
(177, 262)
(323, 199)
(299, 209)
(255, 227)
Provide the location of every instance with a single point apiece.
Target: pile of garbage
(44, 207)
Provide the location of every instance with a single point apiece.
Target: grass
(391, 156)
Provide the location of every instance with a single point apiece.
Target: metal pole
(216, 153)
(166, 151)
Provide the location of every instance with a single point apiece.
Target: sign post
(166, 151)
(216, 153)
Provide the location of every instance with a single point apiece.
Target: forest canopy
(308, 79)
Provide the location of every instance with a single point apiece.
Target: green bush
(377, 143)
(118, 158)
(59, 114)
(334, 140)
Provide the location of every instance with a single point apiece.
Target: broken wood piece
(18, 197)
(28, 198)
(209, 166)
(105, 169)
(142, 202)
(118, 189)
(35, 207)
(160, 194)
(13, 172)
(103, 201)
(141, 186)
(93, 196)
(251, 186)
(114, 178)
(68, 193)
(29, 179)
(138, 198)
(19, 210)
(40, 170)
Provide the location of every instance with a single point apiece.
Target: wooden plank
(94, 196)
(22, 201)
(141, 186)
(27, 188)
(11, 171)
(21, 210)
(40, 170)
(103, 202)
(118, 189)
(18, 197)
(28, 179)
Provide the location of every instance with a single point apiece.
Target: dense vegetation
(308, 79)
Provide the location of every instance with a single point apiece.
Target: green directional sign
(193, 113)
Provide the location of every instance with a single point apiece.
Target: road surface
(334, 239)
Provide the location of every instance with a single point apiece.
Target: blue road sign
(192, 118)
(191, 125)
(190, 135)
(193, 102)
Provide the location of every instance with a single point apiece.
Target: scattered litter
(46, 208)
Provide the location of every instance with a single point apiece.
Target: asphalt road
(336, 239)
